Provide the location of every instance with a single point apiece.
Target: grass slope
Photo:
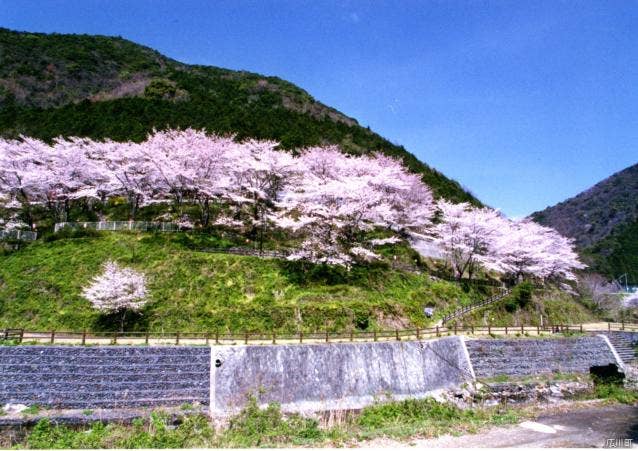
(41, 284)
(40, 287)
(556, 307)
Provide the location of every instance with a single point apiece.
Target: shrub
(254, 427)
(520, 297)
(70, 233)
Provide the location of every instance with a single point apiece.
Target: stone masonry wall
(305, 377)
(109, 376)
(528, 357)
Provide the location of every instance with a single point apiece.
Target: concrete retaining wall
(84, 377)
(308, 377)
(338, 376)
(529, 357)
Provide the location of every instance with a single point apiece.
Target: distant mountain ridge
(603, 221)
(109, 87)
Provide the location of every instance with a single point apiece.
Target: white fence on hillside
(428, 249)
(143, 226)
(24, 235)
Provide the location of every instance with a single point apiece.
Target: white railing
(121, 225)
(24, 235)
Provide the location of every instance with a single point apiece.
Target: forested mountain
(604, 222)
(108, 87)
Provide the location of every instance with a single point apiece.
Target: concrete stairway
(624, 343)
(109, 377)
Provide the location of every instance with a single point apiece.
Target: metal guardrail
(143, 226)
(24, 235)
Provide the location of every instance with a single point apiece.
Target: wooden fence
(261, 338)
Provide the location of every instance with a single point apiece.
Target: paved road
(582, 427)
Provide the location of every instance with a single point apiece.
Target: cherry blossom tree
(334, 198)
(34, 172)
(467, 236)
(70, 175)
(127, 173)
(117, 290)
(260, 175)
(481, 237)
(604, 294)
(338, 198)
(410, 200)
(21, 173)
(527, 249)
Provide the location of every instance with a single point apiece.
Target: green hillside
(603, 221)
(617, 254)
(554, 305)
(41, 284)
(108, 87)
(40, 288)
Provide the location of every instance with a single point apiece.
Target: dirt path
(569, 427)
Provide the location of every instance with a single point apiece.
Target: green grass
(500, 378)
(32, 410)
(616, 392)
(540, 378)
(556, 306)
(427, 418)
(41, 284)
(268, 427)
(190, 291)
(255, 427)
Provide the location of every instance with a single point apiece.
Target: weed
(87, 412)
(500, 378)
(9, 342)
(268, 427)
(47, 436)
(617, 393)
(426, 417)
(254, 427)
(32, 410)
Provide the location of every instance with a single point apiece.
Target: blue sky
(525, 103)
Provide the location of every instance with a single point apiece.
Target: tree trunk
(206, 213)
(122, 318)
(133, 201)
